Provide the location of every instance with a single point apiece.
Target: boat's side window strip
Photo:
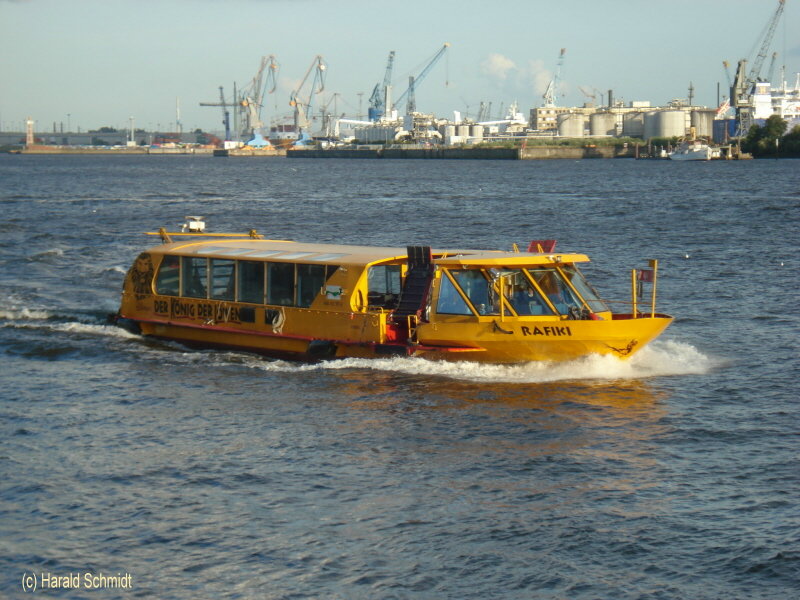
(310, 279)
(223, 278)
(169, 276)
(280, 284)
(194, 276)
(251, 281)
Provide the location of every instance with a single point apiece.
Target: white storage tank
(633, 124)
(570, 125)
(671, 123)
(703, 122)
(462, 131)
(650, 128)
(476, 131)
(603, 124)
(449, 131)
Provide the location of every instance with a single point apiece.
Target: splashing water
(658, 359)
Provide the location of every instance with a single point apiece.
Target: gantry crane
(411, 104)
(252, 97)
(302, 106)
(381, 94)
(226, 116)
(550, 93)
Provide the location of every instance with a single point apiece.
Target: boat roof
(246, 248)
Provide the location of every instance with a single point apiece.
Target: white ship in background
(783, 101)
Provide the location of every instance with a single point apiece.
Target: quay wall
(552, 152)
(136, 150)
(529, 153)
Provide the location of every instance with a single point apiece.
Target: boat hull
(525, 340)
(491, 342)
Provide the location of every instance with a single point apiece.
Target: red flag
(646, 275)
(542, 246)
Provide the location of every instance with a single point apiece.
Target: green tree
(760, 141)
(790, 144)
(775, 127)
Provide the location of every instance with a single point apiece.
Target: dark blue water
(223, 475)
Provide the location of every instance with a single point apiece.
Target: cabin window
(251, 281)
(169, 276)
(223, 278)
(310, 279)
(556, 290)
(450, 301)
(280, 284)
(522, 295)
(476, 287)
(384, 286)
(589, 294)
(195, 276)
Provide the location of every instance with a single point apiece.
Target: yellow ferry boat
(317, 301)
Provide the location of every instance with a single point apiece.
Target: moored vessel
(694, 150)
(317, 301)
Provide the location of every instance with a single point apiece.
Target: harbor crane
(592, 94)
(302, 106)
(381, 94)
(411, 103)
(252, 98)
(550, 93)
(745, 81)
(226, 116)
(771, 69)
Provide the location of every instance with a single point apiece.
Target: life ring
(278, 321)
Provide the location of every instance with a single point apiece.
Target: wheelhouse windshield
(556, 290)
(579, 282)
(519, 292)
(482, 288)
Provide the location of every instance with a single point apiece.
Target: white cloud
(497, 66)
(536, 76)
(527, 82)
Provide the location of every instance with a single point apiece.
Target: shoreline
(378, 152)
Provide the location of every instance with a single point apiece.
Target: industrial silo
(671, 123)
(476, 131)
(650, 124)
(462, 131)
(633, 124)
(703, 122)
(602, 124)
(570, 125)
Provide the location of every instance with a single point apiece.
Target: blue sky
(92, 63)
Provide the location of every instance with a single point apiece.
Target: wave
(74, 327)
(659, 359)
(115, 269)
(25, 314)
(46, 254)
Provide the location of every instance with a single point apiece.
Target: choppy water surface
(224, 475)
